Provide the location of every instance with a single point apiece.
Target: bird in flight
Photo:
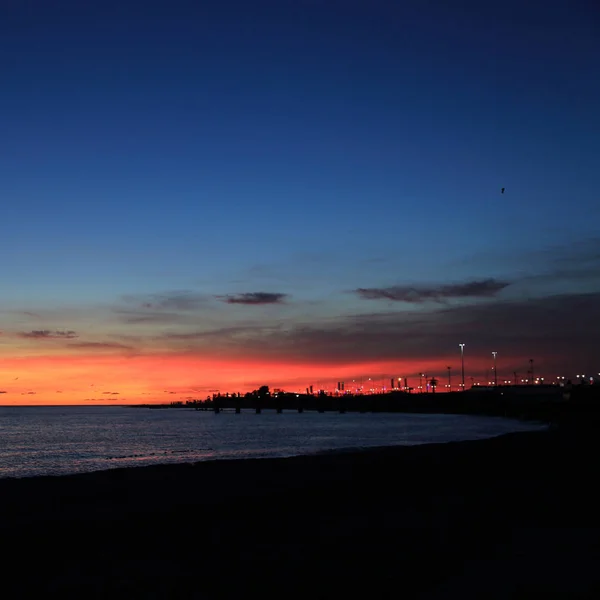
(502, 191)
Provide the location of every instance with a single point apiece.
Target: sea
(65, 440)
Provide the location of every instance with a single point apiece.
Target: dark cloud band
(484, 288)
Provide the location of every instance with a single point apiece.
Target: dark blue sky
(305, 148)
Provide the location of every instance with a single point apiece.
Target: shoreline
(347, 450)
(420, 517)
(343, 519)
(467, 427)
(28, 496)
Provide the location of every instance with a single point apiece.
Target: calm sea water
(62, 440)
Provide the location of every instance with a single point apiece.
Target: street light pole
(462, 364)
(531, 371)
(495, 371)
(449, 378)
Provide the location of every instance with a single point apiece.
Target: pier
(551, 405)
(545, 404)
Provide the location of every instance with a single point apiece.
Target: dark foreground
(516, 516)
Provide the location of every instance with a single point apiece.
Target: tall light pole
(462, 364)
(531, 370)
(495, 371)
(449, 378)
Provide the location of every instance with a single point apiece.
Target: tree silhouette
(263, 391)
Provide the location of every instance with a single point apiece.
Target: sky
(200, 196)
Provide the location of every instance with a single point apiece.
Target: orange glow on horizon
(93, 379)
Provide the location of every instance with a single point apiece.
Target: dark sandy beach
(514, 516)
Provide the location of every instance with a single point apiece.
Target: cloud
(254, 298)
(483, 288)
(559, 329)
(142, 317)
(235, 331)
(101, 346)
(179, 300)
(578, 262)
(569, 259)
(46, 334)
(3, 392)
(96, 399)
(579, 252)
(111, 393)
(162, 308)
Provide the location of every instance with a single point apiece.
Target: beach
(515, 515)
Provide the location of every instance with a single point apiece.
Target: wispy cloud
(235, 331)
(577, 263)
(101, 346)
(164, 308)
(578, 252)
(569, 260)
(146, 317)
(178, 300)
(46, 334)
(484, 288)
(254, 298)
(99, 399)
(31, 314)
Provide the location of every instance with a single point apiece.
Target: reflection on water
(59, 440)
